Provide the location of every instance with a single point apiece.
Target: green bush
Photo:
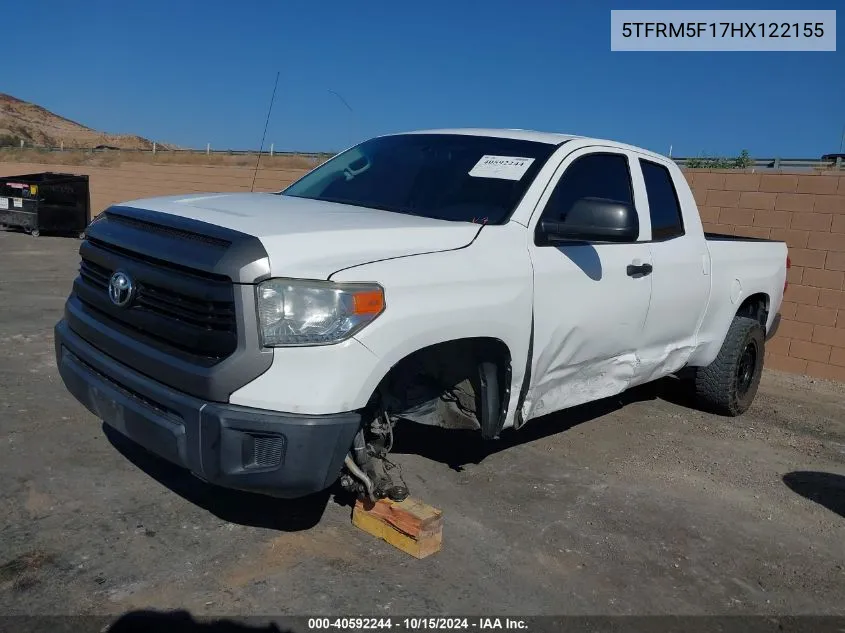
(743, 161)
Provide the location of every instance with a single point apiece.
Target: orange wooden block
(412, 526)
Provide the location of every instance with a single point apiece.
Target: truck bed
(739, 267)
(724, 237)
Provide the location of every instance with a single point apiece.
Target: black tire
(728, 384)
(35, 233)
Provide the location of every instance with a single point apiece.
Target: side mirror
(592, 220)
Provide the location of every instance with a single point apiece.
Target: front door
(589, 306)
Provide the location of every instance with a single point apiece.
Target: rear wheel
(728, 384)
(35, 233)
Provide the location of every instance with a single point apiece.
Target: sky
(197, 72)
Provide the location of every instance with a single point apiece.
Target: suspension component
(370, 472)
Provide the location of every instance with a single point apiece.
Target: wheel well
(756, 307)
(463, 383)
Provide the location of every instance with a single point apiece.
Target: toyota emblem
(121, 289)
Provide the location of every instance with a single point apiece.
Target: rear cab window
(663, 206)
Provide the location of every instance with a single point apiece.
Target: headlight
(301, 312)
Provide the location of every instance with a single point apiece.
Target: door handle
(639, 271)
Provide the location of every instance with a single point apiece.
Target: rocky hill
(37, 126)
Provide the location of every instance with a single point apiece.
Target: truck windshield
(454, 177)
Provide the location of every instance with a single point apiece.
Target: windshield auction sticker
(728, 30)
(504, 167)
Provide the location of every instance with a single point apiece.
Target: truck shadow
(456, 448)
(235, 506)
(585, 257)
(826, 489)
(145, 621)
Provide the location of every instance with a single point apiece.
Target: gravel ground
(632, 505)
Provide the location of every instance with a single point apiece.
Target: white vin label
(504, 167)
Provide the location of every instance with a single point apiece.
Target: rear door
(680, 280)
(589, 311)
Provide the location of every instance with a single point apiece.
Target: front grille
(190, 322)
(204, 314)
(94, 274)
(212, 315)
(187, 314)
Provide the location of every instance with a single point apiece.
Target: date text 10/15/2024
(417, 623)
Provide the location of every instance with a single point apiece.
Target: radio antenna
(264, 136)
(339, 96)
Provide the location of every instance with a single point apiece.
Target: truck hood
(312, 239)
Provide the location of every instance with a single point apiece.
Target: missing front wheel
(369, 473)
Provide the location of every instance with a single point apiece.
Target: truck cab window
(664, 209)
(592, 176)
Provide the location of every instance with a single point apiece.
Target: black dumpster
(46, 202)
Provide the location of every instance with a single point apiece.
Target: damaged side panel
(589, 316)
(561, 387)
(451, 315)
(563, 384)
(656, 363)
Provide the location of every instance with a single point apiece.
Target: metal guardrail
(757, 163)
(781, 163)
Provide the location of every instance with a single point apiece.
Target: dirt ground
(633, 505)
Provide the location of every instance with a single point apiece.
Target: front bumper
(279, 454)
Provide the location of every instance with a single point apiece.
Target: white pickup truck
(463, 278)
